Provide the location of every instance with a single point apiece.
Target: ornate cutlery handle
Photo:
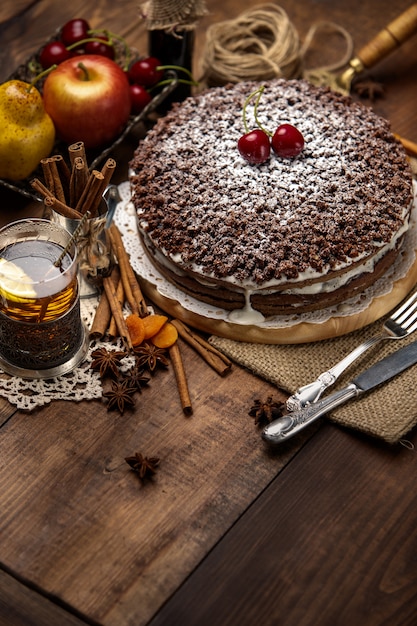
(310, 393)
(289, 425)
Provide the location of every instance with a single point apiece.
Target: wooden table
(322, 530)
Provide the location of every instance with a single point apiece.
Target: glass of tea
(41, 331)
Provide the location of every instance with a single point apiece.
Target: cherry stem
(257, 93)
(110, 42)
(81, 42)
(111, 36)
(40, 76)
(167, 81)
(179, 68)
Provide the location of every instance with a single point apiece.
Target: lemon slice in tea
(15, 281)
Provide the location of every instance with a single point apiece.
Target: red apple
(88, 99)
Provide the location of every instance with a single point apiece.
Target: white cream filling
(174, 262)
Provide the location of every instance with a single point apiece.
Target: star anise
(144, 466)
(368, 88)
(106, 362)
(149, 356)
(266, 411)
(120, 395)
(137, 378)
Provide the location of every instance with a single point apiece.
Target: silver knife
(289, 425)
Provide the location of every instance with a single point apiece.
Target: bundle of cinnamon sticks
(122, 286)
(72, 190)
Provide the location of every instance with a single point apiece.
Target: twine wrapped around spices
(261, 44)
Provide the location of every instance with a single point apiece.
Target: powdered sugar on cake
(306, 225)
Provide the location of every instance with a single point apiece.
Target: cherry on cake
(292, 234)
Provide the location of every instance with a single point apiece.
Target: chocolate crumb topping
(347, 194)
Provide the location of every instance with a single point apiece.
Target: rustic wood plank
(6, 411)
(13, 10)
(334, 532)
(21, 606)
(24, 36)
(72, 510)
(28, 33)
(331, 541)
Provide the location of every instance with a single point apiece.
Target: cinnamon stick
(117, 311)
(57, 182)
(120, 294)
(52, 177)
(61, 208)
(91, 191)
(38, 186)
(133, 292)
(63, 173)
(213, 357)
(409, 146)
(47, 175)
(103, 314)
(77, 149)
(101, 318)
(78, 180)
(180, 377)
(108, 170)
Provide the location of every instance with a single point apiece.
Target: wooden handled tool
(386, 41)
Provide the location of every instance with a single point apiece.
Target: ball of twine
(259, 44)
(262, 44)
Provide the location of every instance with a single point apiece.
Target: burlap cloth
(388, 412)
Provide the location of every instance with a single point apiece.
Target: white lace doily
(126, 222)
(81, 384)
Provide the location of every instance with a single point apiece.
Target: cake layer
(269, 303)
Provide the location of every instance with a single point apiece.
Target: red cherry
(144, 72)
(53, 53)
(74, 31)
(139, 97)
(287, 141)
(97, 47)
(255, 146)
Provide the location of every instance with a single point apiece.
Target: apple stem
(86, 75)
(258, 92)
(39, 76)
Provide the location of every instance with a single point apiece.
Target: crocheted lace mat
(82, 383)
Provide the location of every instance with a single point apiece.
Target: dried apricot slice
(166, 337)
(136, 329)
(153, 324)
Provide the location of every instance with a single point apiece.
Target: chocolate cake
(288, 235)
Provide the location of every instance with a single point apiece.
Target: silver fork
(401, 323)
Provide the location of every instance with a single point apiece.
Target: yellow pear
(27, 133)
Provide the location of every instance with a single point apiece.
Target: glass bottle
(173, 49)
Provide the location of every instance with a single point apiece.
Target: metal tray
(29, 70)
